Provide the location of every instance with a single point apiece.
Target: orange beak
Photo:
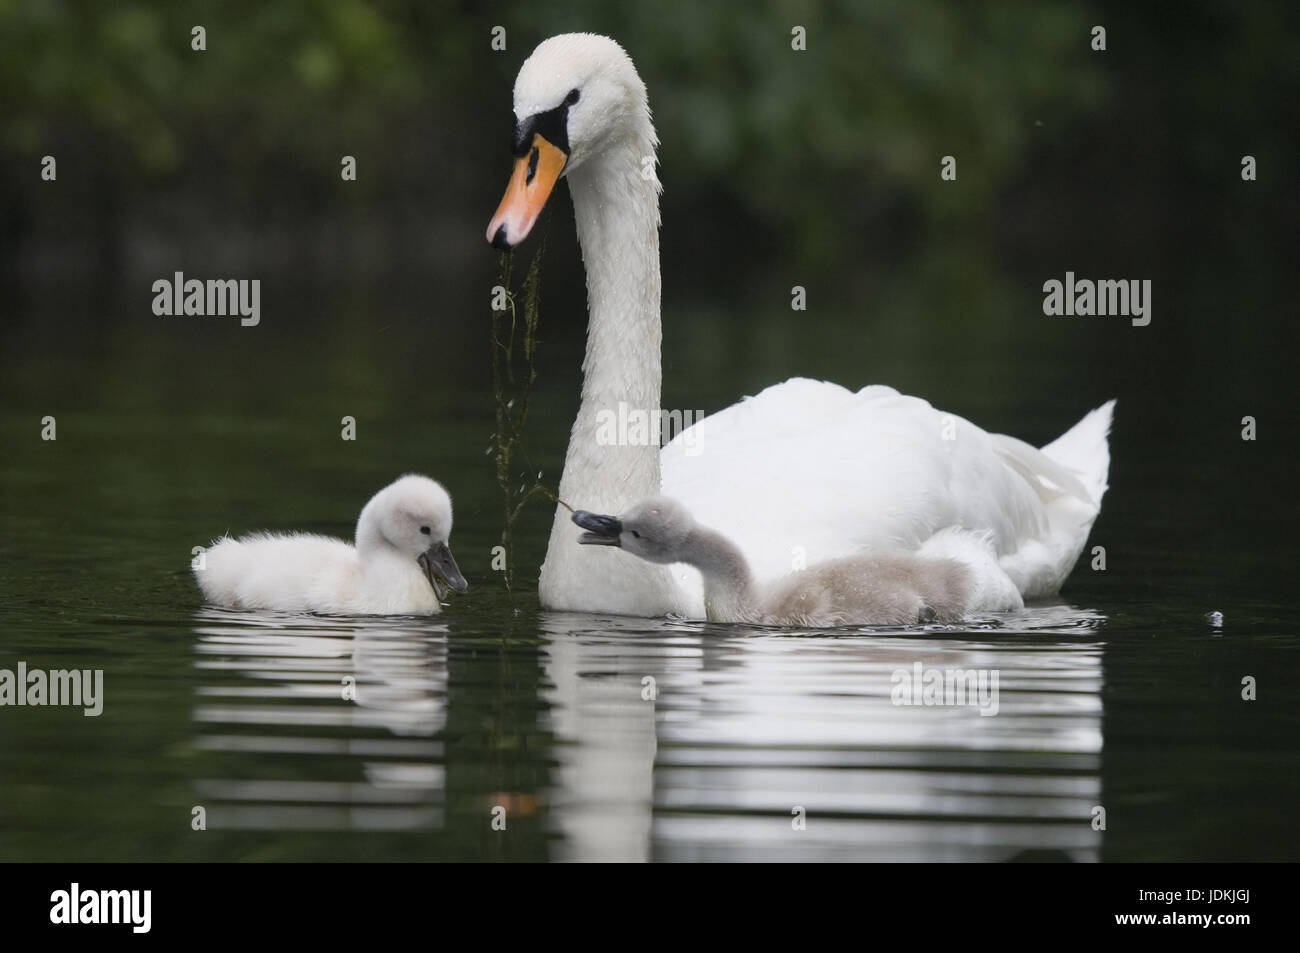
(534, 176)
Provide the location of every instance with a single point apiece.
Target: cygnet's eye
(572, 98)
(425, 530)
(635, 533)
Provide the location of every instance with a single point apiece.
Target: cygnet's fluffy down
(399, 566)
(884, 589)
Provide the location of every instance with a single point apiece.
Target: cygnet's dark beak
(440, 566)
(601, 530)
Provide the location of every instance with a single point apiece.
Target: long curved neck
(729, 594)
(617, 211)
(612, 460)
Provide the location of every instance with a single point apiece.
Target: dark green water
(173, 431)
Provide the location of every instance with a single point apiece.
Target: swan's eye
(572, 98)
(425, 530)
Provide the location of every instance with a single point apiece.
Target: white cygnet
(883, 589)
(399, 565)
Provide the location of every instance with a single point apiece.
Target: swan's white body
(866, 471)
(877, 471)
(303, 572)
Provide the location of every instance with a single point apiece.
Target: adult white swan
(803, 472)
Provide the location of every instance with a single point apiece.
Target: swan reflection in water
(661, 740)
(288, 686)
(750, 730)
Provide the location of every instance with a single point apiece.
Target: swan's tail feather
(1085, 449)
(1069, 475)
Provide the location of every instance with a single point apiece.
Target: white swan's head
(575, 94)
(657, 529)
(413, 516)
